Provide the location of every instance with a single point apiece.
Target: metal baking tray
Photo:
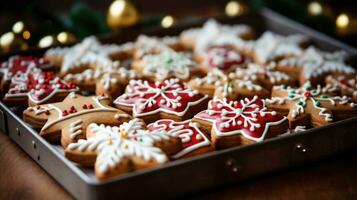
(214, 169)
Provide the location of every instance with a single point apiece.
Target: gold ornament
(12, 42)
(66, 38)
(168, 21)
(47, 41)
(122, 13)
(235, 8)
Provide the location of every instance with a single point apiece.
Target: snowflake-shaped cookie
(314, 65)
(168, 98)
(221, 85)
(67, 120)
(37, 87)
(311, 106)
(244, 121)
(116, 150)
(165, 65)
(194, 141)
(271, 47)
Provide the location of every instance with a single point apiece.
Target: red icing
(168, 96)
(17, 64)
(307, 94)
(188, 133)
(38, 84)
(224, 58)
(228, 120)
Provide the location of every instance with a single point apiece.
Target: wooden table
(336, 178)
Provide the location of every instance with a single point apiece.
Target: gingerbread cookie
(165, 65)
(90, 53)
(16, 65)
(221, 85)
(67, 120)
(35, 86)
(199, 38)
(307, 106)
(145, 45)
(347, 85)
(267, 76)
(109, 80)
(233, 123)
(117, 150)
(194, 141)
(221, 57)
(156, 100)
(272, 47)
(314, 65)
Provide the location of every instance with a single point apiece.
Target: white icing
(113, 144)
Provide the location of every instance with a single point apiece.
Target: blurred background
(28, 24)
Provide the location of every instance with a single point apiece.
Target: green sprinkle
(169, 61)
(317, 103)
(299, 103)
(291, 96)
(323, 96)
(283, 87)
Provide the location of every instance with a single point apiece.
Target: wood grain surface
(335, 178)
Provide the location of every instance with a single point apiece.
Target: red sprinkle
(38, 107)
(307, 94)
(64, 113)
(84, 106)
(90, 106)
(47, 112)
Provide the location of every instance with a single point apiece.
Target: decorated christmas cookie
(246, 121)
(16, 65)
(314, 65)
(153, 45)
(87, 54)
(221, 85)
(116, 150)
(222, 58)
(272, 47)
(202, 37)
(165, 65)
(347, 85)
(37, 87)
(267, 76)
(155, 100)
(109, 80)
(194, 141)
(67, 120)
(307, 106)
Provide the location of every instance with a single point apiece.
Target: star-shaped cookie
(66, 121)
